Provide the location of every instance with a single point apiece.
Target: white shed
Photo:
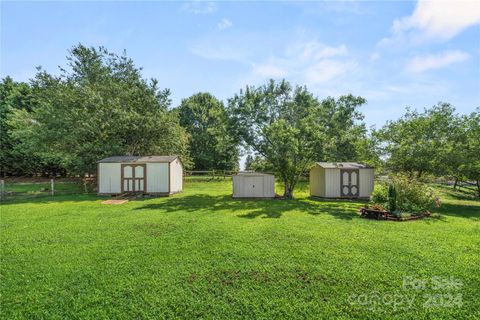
(253, 185)
(341, 180)
(161, 175)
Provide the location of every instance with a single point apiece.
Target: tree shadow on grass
(459, 210)
(252, 208)
(44, 199)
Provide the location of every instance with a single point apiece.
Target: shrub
(403, 194)
(412, 195)
(392, 197)
(380, 195)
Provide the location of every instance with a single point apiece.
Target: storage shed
(161, 175)
(253, 185)
(341, 180)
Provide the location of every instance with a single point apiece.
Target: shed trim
(138, 159)
(343, 165)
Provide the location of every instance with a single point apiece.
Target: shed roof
(252, 173)
(138, 159)
(342, 165)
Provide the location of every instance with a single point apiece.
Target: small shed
(253, 185)
(160, 175)
(341, 180)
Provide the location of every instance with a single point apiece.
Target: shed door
(253, 187)
(349, 183)
(133, 177)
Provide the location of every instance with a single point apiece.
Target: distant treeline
(100, 105)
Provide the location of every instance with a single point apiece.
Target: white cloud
(434, 20)
(309, 62)
(423, 63)
(224, 24)
(269, 71)
(200, 7)
(326, 70)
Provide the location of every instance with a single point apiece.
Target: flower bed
(386, 215)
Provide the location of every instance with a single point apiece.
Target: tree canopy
(212, 146)
(97, 107)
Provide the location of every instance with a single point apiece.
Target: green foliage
(404, 194)
(212, 145)
(467, 149)
(259, 164)
(344, 131)
(380, 195)
(248, 162)
(392, 197)
(412, 195)
(437, 141)
(99, 106)
(14, 158)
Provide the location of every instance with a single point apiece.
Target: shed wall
(366, 182)
(317, 181)
(109, 178)
(157, 177)
(332, 183)
(264, 186)
(176, 176)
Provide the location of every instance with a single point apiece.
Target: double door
(253, 187)
(133, 177)
(349, 183)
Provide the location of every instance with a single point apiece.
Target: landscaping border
(386, 215)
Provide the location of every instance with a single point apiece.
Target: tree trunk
(478, 188)
(287, 193)
(455, 184)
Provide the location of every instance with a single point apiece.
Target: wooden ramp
(114, 201)
(123, 198)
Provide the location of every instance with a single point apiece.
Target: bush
(403, 195)
(392, 197)
(412, 195)
(380, 195)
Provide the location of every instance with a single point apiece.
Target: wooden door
(349, 183)
(133, 177)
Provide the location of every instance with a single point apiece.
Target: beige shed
(341, 180)
(253, 185)
(160, 175)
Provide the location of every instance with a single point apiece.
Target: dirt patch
(114, 201)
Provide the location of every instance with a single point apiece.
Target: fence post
(52, 186)
(2, 189)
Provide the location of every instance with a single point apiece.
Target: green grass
(17, 190)
(202, 254)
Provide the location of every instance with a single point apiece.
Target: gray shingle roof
(342, 165)
(138, 159)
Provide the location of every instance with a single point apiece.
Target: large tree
(469, 149)
(344, 129)
(281, 124)
(423, 142)
(14, 158)
(98, 106)
(212, 146)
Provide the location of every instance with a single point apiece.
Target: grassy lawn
(201, 254)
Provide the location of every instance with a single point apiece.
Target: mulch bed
(386, 215)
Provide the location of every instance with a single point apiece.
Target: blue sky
(395, 54)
